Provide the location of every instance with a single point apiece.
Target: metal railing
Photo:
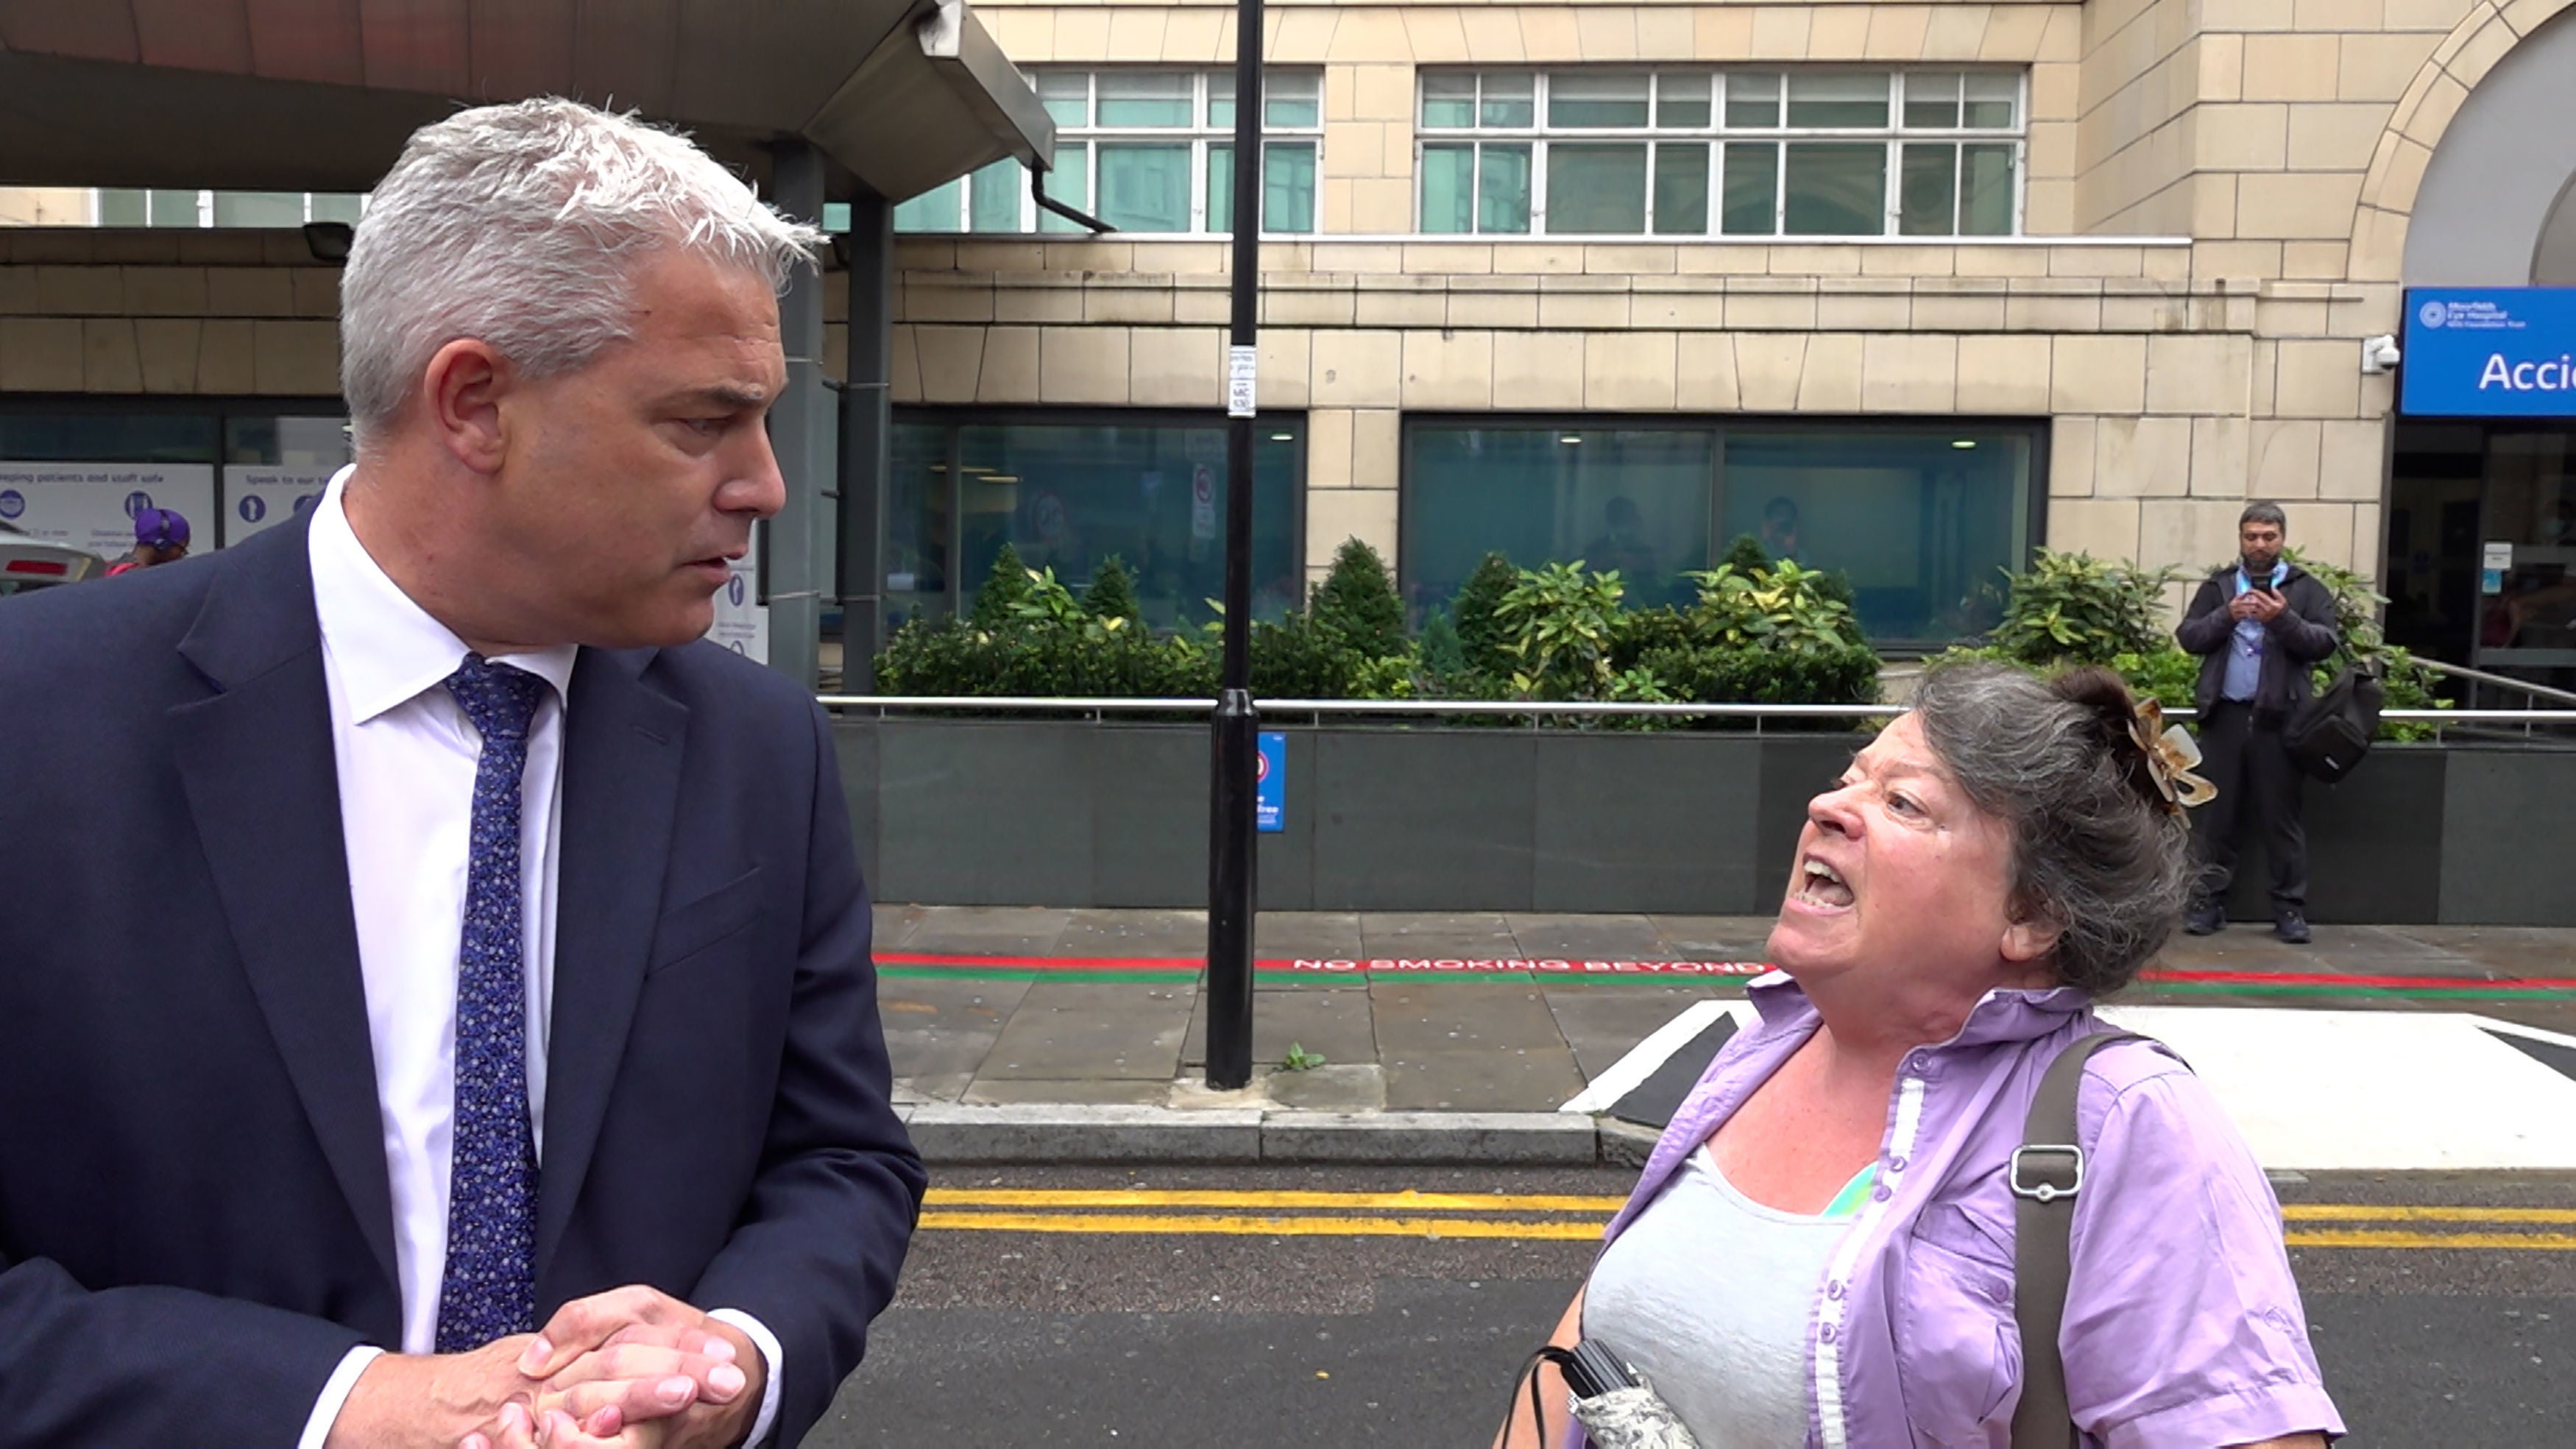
(2525, 687)
(1316, 711)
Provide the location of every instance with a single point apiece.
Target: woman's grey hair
(521, 225)
(2095, 849)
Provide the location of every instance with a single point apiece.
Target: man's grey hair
(522, 226)
(2095, 850)
(2264, 513)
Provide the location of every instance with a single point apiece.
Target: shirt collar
(2000, 1015)
(386, 649)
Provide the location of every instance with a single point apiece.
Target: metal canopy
(318, 95)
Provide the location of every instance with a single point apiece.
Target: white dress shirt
(406, 757)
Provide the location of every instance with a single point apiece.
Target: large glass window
(1919, 516)
(1070, 491)
(1146, 151)
(273, 209)
(1634, 499)
(1809, 152)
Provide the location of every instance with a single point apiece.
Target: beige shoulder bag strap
(2047, 1172)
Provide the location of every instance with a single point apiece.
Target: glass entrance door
(2481, 566)
(2527, 626)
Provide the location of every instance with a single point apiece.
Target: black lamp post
(1235, 747)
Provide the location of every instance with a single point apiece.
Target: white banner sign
(257, 499)
(742, 621)
(92, 505)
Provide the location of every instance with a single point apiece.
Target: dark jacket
(195, 1219)
(2301, 635)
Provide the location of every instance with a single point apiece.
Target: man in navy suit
(435, 994)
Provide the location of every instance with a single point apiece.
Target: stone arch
(2422, 117)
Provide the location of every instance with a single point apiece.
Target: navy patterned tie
(489, 1290)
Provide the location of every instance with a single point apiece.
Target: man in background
(160, 537)
(2260, 624)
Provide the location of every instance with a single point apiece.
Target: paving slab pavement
(1022, 1016)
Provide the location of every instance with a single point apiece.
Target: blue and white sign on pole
(1270, 792)
(2491, 352)
(742, 620)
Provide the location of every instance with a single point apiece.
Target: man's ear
(2029, 939)
(462, 389)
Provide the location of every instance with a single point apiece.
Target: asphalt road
(1253, 1316)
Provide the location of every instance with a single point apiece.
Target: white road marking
(2313, 1091)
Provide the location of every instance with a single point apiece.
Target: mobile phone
(1592, 1370)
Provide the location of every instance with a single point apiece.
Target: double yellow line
(1578, 1218)
(2463, 1224)
(1288, 1214)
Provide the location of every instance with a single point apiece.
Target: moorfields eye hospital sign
(2494, 352)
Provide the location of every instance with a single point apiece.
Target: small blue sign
(2492, 352)
(1270, 787)
(12, 503)
(136, 502)
(253, 508)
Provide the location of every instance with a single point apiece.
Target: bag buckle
(2043, 1191)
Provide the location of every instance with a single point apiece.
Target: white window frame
(205, 204)
(1716, 135)
(1199, 135)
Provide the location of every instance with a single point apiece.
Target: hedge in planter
(1028, 636)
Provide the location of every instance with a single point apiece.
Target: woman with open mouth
(1822, 1248)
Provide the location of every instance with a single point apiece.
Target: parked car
(27, 564)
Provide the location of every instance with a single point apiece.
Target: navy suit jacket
(195, 1222)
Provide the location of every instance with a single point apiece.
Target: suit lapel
(259, 770)
(623, 742)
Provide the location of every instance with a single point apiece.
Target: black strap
(2046, 1174)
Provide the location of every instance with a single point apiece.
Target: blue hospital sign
(2497, 352)
(1270, 785)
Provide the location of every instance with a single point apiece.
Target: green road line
(1730, 987)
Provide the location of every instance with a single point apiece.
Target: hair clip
(2171, 754)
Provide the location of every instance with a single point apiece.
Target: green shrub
(2168, 675)
(2072, 608)
(1481, 636)
(1847, 674)
(1780, 606)
(1302, 657)
(1358, 602)
(1747, 556)
(1646, 631)
(1112, 594)
(957, 658)
(1559, 621)
(2410, 686)
(1441, 655)
(1006, 585)
(1293, 659)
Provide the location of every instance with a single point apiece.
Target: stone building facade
(2210, 206)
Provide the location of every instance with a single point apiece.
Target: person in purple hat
(160, 536)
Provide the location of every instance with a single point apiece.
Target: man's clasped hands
(630, 1368)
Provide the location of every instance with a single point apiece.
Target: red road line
(1183, 965)
(2358, 981)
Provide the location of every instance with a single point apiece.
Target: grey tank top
(1707, 1295)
